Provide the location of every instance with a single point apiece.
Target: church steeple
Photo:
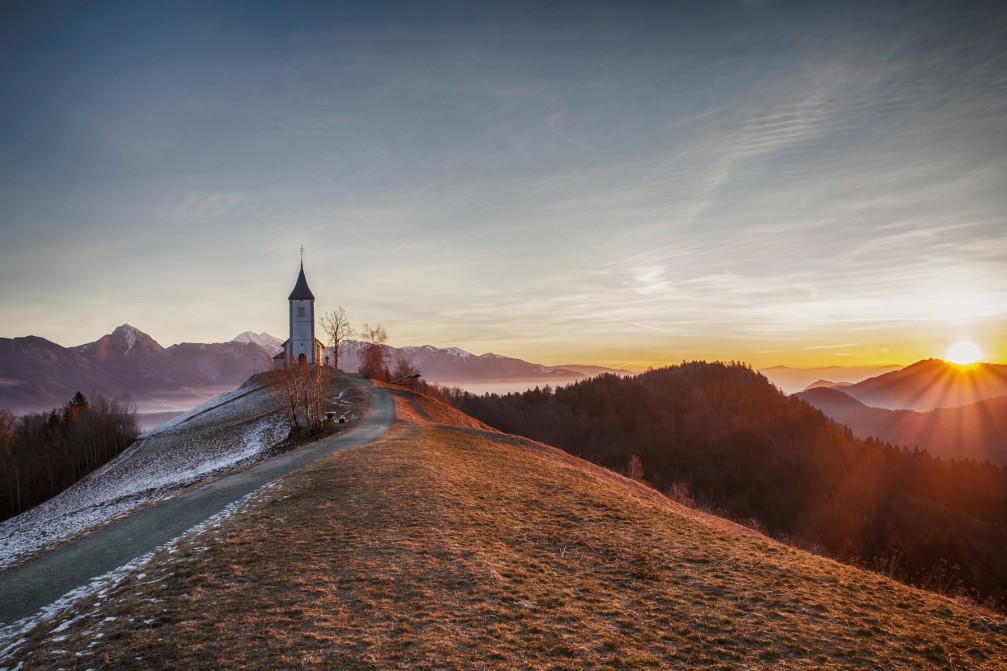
(301, 291)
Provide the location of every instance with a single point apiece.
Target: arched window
(302, 359)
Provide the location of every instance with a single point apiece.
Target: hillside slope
(446, 545)
(230, 430)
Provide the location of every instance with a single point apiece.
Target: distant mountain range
(930, 384)
(36, 374)
(452, 366)
(974, 431)
(792, 380)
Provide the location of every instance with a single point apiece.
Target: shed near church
(302, 346)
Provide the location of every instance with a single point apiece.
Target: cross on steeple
(302, 252)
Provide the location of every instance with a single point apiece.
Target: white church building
(302, 346)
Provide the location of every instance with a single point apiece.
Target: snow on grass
(224, 433)
(71, 605)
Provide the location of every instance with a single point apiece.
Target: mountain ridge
(931, 383)
(975, 431)
(38, 374)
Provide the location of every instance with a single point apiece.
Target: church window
(300, 312)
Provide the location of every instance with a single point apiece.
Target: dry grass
(444, 546)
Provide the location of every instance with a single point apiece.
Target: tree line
(721, 436)
(43, 453)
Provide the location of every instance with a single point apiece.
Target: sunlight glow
(963, 353)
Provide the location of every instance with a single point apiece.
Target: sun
(964, 353)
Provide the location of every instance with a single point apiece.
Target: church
(302, 346)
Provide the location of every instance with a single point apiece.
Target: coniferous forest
(43, 453)
(721, 436)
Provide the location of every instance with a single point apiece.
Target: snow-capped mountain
(263, 340)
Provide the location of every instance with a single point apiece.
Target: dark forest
(43, 453)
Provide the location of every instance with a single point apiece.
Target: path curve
(29, 587)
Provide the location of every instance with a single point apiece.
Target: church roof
(301, 291)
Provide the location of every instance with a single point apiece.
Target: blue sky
(623, 183)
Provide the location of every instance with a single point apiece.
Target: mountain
(792, 380)
(976, 431)
(591, 371)
(36, 374)
(452, 366)
(930, 384)
(445, 545)
(827, 384)
(136, 361)
(263, 340)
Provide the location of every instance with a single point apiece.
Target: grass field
(446, 545)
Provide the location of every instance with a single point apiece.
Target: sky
(623, 183)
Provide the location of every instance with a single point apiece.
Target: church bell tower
(302, 346)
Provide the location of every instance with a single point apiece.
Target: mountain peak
(127, 333)
(264, 340)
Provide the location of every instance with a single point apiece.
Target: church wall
(302, 330)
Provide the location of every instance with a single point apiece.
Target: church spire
(301, 291)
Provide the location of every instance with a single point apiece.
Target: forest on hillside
(43, 453)
(722, 436)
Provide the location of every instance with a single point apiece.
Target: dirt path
(30, 587)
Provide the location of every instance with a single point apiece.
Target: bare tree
(372, 362)
(286, 387)
(316, 385)
(402, 366)
(634, 469)
(300, 389)
(337, 326)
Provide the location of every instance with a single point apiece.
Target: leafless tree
(634, 469)
(300, 389)
(316, 385)
(402, 366)
(42, 453)
(372, 362)
(337, 326)
(286, 387)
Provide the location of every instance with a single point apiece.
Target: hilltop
(448, 545)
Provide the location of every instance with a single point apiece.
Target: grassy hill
(447, 545)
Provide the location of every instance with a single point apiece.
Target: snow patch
(222, 434)
(99, 587)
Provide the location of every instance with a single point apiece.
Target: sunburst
(964, 353)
